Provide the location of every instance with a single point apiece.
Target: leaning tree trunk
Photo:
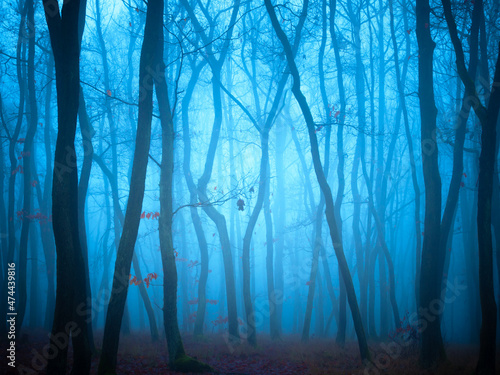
(135, 261)
(71, 298)
(152, 34)
(325, 188)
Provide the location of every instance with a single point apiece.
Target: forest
(249, 187)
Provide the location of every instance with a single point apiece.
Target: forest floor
(138, 355)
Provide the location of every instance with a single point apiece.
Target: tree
(488, 116)
(148, 67)
(325, 188)
(218, 218)
(71, 312)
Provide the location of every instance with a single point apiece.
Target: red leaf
(143, 215)
(148, 215)
(108, 92)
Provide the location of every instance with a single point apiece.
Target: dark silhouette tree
(71, 312)
(488, 116)
(148, 67)
(325, 188)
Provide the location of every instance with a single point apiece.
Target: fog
(250, 177)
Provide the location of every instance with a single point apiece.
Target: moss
(188, 364)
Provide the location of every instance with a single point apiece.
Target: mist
(249, 187)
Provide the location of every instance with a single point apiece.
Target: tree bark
(71, 312)
(432, 348)
(325, 188)
(88, 150)
(27, 154)
(135, 261)
(487, 348)
(147, 70)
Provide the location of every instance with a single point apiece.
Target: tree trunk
(325, 188)
(14, 168)
(45, 227)
(488, 117)
(152, 34)
(400, 81)
(341, 320)
(71, 310)
(487, 348)
(195, 217)
(28, 155)
(121, 219)
(87, 133)
(432, 348)
(274, 298)
(177, 356)
(218, 218)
